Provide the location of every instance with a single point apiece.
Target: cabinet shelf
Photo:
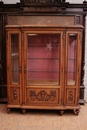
(43, 71)
(43, 83)
(43, 58)
(41, 45)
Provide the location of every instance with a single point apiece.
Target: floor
(42, 120)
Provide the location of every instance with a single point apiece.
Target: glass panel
(14, 58)
(72, 49)
(43, 58)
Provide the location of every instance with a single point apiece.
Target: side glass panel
(72, 52)
(15, 58)
(43, 59)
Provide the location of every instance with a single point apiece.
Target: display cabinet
(43, 67)
(39, 12)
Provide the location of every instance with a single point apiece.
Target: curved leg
(23, 111)
(8, 110)
(76, 111)
(61, 112)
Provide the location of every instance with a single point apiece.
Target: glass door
(43, 59)
(43, 66)
(72, 60)
(71, 67)
(14, 66)
(14, 63)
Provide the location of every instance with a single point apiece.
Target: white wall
(10, 1)
(14, 1)
(85, 67)
(75, 1)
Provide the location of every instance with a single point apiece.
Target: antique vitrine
(39, 43)
(43, 67)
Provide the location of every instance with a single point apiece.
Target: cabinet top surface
(43, 26)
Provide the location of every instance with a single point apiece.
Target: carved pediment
(43, 5)
(35, 2)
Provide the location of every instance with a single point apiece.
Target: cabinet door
(43, 65)
(72, 68)
(14, 67)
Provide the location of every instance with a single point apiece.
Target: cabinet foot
(61, 112)
(76, 111)
(23, 111)
(8, 110)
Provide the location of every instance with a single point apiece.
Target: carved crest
(42, 1)
(43, 5)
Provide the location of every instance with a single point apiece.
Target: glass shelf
(30, 58)
(43, 71)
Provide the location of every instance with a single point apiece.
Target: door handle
(24, 69)
(20, 69)
(65, 70)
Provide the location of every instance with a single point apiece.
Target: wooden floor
(42, 120)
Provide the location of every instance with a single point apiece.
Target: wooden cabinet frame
(14, 89)
(20, 14)
(44, 95)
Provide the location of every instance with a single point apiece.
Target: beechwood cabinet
(43, 67)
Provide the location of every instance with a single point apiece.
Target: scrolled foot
(76, 111)
(23, 111)
(61, 112)
(8, 111)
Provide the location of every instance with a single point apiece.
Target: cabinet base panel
(13, 106)
(51, 107)
(60, 108)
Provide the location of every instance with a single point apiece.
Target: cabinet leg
(76, 111)
(23, 111)
(61, 112)
(8, 110)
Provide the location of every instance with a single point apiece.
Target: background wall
(14, 1)
(75, 1)
(85, 67)
(10, 1)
